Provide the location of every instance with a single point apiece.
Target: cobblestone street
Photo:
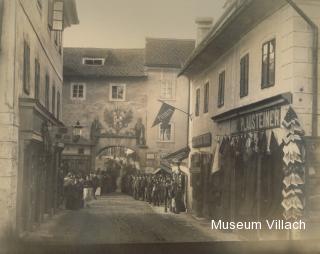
(119, 218)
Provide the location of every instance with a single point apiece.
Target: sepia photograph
(159, 126)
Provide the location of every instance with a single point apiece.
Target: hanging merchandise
(294, 173)
(216, 160)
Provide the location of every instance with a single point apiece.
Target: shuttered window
(222, 78)
(244, 76)
(26, 68)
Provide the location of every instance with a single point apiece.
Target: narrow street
(118, 218)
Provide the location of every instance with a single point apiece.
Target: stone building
(115, 93)
(257, 61)
(30, 106)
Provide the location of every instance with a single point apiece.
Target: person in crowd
(87, 190)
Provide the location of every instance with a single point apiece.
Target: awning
(179, 155)
(162, 170)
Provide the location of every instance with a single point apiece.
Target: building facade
(115, 93)
(30, 106)
(255, 64)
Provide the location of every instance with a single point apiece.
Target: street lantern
(77, 131)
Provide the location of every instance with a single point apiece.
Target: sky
(126, 23)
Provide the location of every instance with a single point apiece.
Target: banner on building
(164, 116)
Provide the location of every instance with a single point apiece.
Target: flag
(164, 116)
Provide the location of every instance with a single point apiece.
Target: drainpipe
(315, 45)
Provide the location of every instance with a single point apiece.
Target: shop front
(200, 175)
(249, 166)
(39, 174)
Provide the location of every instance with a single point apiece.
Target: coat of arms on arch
(118, 120)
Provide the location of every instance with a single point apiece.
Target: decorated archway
(114, 162)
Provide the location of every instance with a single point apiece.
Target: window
(58, 105)
(244, 76)
(206, 98)
(167, 89)
(117, 92)
(50, 13)
(26, 68)
(222, 77)
(53, 100)
(197, 106)
(93, 61)
(78, 91)
(36, 79)
(268, 63)
(46, 96)
(80, 150)
(166, 132)
(39, 3)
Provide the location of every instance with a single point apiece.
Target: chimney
(204, 25)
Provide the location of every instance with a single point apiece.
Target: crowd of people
(80, 190)
(160, 190)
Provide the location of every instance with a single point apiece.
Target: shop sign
(202, 141)
(259, 120)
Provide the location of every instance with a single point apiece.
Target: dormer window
(93, 61)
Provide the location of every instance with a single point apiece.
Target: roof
(170, 53)
(239, 18)
(118, 62)
(178, 155)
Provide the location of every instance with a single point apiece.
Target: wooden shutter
(50, 13)
(221, 89)
(1, 15)
(37, 79)
(244, 75)
(26, 68)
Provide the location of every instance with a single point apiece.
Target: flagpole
(189, 115)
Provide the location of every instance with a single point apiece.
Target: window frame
(164, 84)
(93, 59)
(221, 88)
(124, 86)
(265, 77)
(206, 95)
(172, 133)
(244, 75)
(84, 91)
(197, 102)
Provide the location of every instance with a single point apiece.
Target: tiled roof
(118, 62)
(167, 52)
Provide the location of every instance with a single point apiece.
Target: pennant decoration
(164, 116)
(294, 171)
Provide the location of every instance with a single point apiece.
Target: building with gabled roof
(256, 63)
(120, 89)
